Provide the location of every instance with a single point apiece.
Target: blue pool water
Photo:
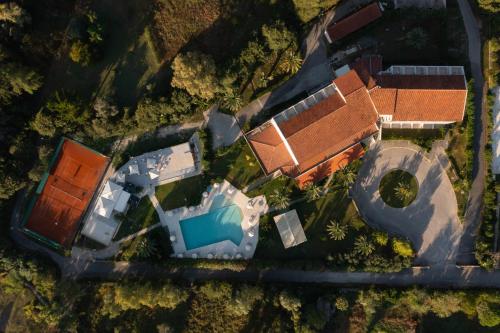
(222, 222)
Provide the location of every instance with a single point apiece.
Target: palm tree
(363, 246)
(146, 248)
(232, 101)
(336, 231)
(313, 192)
(279, 199)
(290, 62)
(345, 177)
(403, 191)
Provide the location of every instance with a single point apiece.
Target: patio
(251, 210)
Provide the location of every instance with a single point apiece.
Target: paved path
(224, 128)
(473, 214)
(430, 222)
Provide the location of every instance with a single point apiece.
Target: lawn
(236, 164)
(138, 218)
(422, 137)
(185, 192)
(128, 62)
(315, 216)
(394, 180)
(457, 155)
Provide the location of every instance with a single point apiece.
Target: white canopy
(113, 197)
(151, 163)
(133, 169)
(153, 174)
(290, 229)
(100, 229)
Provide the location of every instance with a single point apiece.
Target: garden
(398, 188)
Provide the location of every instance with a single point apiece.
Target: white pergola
(290, 229)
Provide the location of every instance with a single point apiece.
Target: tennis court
(72, 179)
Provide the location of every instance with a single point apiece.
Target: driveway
(430, 222)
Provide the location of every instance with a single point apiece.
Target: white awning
(151, 163)
(113, 197)
(121, 203)
(153, 175)
(133, 169)
(290, 229)
(100, 229)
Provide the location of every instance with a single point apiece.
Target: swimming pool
(222, 222)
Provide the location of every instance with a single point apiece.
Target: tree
(345, 177)
(292, 304)
(490, 5)
(315, 318)
(215, 290)
(13, 13)
(290, 62)
(416, 38)
(278, 37)
(336, 231)
(342, 304)
(403, 191)
(308, 9)
(279, 198)
(80, 53)
(313, 192)
(196, 73)
(381, 237)
(245, 299)
(16, 79)
(402, 247)
(146, 248)
(363, 246)
(232, 100)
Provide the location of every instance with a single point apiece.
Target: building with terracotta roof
(327, 130)
(318, 135)
(353, 22)
(420, 96)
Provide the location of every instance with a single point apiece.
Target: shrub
(80, 53)
(402, 247)
(308, 9)
(342, 304)
(381, 238)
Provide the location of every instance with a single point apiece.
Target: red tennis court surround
(70, 185)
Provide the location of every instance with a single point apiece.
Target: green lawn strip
(278, 184)
(185, 192)
(458, 172)
(421, 137)
(390, 183)
(236, 164)
(315, 216)
(142, 216)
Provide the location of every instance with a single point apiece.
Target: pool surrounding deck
(224, 226)
(218, 225)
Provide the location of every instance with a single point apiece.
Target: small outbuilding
(290, 229)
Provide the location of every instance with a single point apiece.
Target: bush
(402, 247)
(308, 9)
(80, 53)
(381, 238)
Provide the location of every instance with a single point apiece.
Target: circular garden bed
(398, 188)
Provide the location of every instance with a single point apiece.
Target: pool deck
(251, 209)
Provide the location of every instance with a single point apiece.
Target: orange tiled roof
(349, 83)
(330, 166)
(354, 22)
(270, 149)
(421, 97)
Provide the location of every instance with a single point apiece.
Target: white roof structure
(133, 169)
(151, 163)
(290, 229)
(342, 71)
(153, 174)
(100, 229)
(496, 133)
(177, 158)
(113, 197)
(120, 177)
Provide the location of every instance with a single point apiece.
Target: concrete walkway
(473, 215)
(224, 128)
(430, 222)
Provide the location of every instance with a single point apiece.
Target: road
(473, 214)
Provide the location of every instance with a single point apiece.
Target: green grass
(138, 218)
(315, 216)
(458, 158)
(422, 137)
(390, 183)
(186, 192)
(236, 164)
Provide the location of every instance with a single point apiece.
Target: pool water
(222, 222)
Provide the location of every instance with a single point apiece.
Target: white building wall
(414, 124)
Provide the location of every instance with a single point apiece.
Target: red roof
(367, 67)
(320, 132)
(354, 22)
(421, 97)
